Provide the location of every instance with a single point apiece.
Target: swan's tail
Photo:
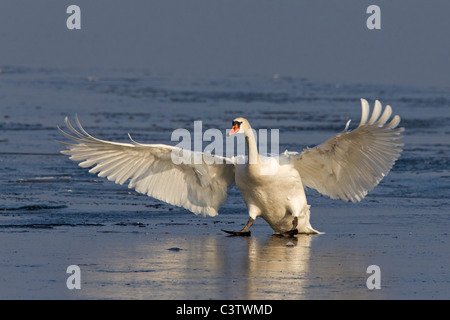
(303, 225)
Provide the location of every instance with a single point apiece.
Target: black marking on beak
(237, 123)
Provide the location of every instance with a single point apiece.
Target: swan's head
(240, 125)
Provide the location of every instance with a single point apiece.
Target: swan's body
(277, 198)
(346, 166)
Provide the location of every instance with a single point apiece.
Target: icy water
(54, 214)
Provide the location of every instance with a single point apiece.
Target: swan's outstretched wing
(152, 169)
(350, 164)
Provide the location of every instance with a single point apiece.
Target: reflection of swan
(278, 267)
(262, 267)
(346, 166)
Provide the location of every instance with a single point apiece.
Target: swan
(344, 167)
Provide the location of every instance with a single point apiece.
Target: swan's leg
(248, 225)
(244, 232)
(295, 223)
(294, 230)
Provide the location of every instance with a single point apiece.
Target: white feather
(200, 188)
(375, 113)
(364, 111)
(350, 164)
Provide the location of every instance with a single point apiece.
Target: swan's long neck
(253, 156)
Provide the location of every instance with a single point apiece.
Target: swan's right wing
(164, 172)
(350, 164)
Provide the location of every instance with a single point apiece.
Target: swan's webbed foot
(291, 233)
(238, 233)
(244, 232)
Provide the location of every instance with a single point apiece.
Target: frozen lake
(128, 246)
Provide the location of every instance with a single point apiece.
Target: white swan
(345, 167)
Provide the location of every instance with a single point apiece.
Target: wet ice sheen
(54, 214)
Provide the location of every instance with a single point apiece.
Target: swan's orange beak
(233, 130)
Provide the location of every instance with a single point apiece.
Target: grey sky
(319, 40)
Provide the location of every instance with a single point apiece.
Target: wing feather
(350, 164)
(200, 188)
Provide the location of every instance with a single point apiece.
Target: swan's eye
(236, 123)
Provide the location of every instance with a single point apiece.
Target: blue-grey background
(149, 67)
(318, 40)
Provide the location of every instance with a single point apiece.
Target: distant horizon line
(245, 74)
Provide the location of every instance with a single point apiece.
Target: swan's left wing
(161, 171)
(350, 164)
